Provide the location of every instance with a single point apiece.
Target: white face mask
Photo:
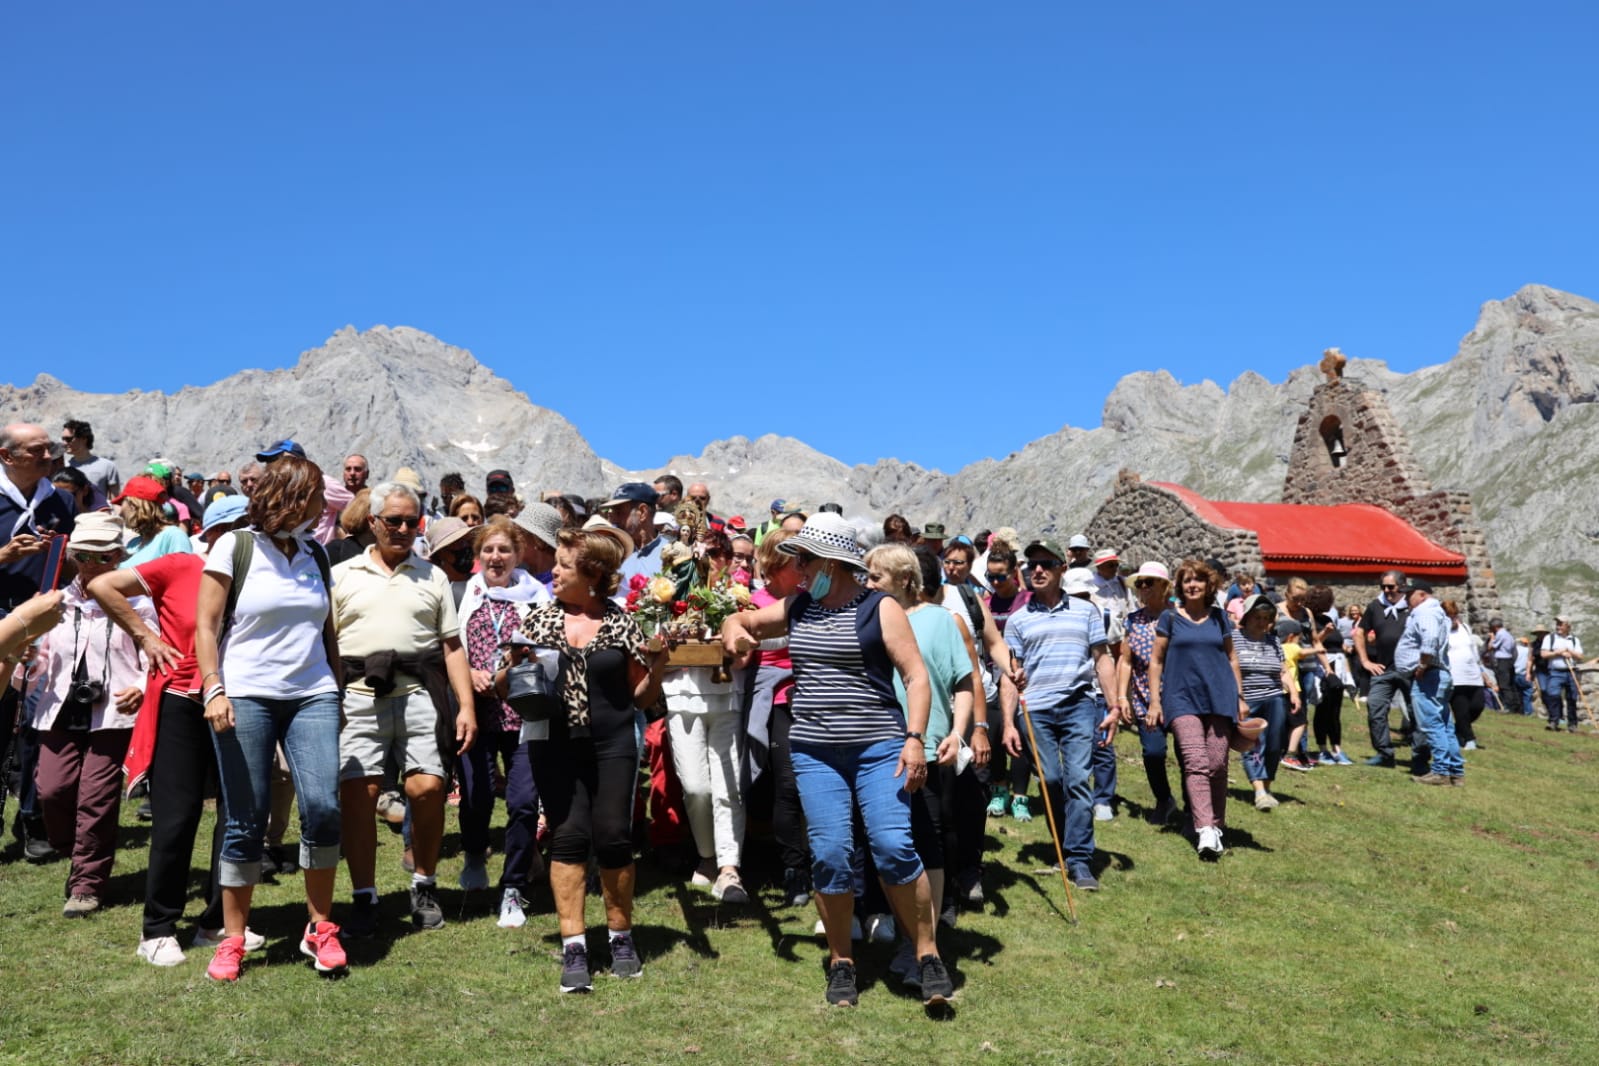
(297, 531)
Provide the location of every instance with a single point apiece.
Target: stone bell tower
(1348, 448)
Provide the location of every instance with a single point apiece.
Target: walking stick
(1049, 812)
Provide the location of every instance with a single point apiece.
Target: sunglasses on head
(396, 521)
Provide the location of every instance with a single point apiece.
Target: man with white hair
(403, 659)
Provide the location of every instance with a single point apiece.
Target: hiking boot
(1458, 781)
(513, 910)
(728, 887)
(1265, 801)
(228, 960)
(363, 919)
(575, 969)
(841, 990)
(796, 887)
(80, 906)
(161, 951)
(321, 944)
(425, 910)
(475, 872)
(937, 988)
(624, 956)
(1430, 779)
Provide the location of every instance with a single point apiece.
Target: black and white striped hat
(827, 536)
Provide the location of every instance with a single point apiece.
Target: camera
(89, 692)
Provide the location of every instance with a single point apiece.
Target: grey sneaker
(937, 988)
(575, 969)
(624, 956)
(475, 872)
(425, 910)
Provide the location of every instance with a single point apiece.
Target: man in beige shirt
(400, 641)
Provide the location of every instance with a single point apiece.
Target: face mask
(821, 584)
(297, 531)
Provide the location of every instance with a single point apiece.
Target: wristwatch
(911, 734)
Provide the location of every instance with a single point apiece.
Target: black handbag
(533, 685)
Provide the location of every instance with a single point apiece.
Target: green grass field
(1368, 919)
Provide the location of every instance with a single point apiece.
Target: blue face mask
(821, 584)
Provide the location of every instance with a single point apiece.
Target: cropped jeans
(832, 779)
(308, 729)
(1260, 763)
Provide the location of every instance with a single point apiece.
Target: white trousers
(707, 752)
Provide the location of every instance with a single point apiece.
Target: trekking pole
(1049, 811)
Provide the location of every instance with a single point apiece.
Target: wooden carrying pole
(1049, 812)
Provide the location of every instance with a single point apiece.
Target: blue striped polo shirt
(1055, 646)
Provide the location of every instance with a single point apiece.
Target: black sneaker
(425, 910)
(575, 969)
(1084, 879)
(38, 851)
(362, 921)
(841, 984)
(937, 988)
(796, 887)
(624, 957)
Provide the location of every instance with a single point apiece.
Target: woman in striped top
(851, 742)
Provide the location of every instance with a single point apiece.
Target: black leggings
(788, 814)
(587, 787)
(1467, 702)
(1329, 723)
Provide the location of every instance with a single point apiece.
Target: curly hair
(286, 486)
(144, 517)
(598, 557)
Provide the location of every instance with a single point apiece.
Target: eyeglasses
(396, 521)
(1044, 564)
(95, 557)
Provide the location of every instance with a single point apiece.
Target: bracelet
(980, 725)
(213, 692)
(213, 673)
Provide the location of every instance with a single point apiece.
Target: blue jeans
(1065, 735)
(1261, 763)
(1524, 687)
(1560, 692)
(1429, 701)
(835, 778)
(308, 729)
(1103, 761)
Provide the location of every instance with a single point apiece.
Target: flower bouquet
(689, 625)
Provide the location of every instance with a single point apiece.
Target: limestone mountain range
(1511, 418)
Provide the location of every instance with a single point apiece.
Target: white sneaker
(210, 938)
(704, 874)
(1210, 845)
(512, 916)
(475, 873)
(161, 951)
(1103, 813)
(854, 928)
(880, 929)
(1265, 801)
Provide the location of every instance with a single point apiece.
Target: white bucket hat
(96, 532)
(827, 536)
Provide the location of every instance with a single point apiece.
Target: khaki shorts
(378, 729)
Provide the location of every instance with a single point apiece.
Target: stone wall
(1378, 466)
(1143, 522)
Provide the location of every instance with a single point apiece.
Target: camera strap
(80, 668)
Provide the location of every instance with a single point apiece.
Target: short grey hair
(379, 497)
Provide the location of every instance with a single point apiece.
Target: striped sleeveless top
(843, 677)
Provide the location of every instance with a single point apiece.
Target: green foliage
(1366, 920)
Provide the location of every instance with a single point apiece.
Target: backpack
(974, 612)
(243, 553)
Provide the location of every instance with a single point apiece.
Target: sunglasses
(801, 558)
(745, 559)
(95, 557)
(701, 500)
(1390, 588)
(1044, 564)
(396, 521)
(1144, 583)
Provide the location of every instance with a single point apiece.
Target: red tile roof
(1354, 538)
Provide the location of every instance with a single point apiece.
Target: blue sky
(977, 217)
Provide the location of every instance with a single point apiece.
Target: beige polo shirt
(409, 611)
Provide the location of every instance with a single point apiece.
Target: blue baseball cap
(632, 492)
(225, 511)
(280, 449)
(779, 506)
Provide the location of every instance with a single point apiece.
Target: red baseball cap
(143, 487)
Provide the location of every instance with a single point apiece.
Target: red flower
(637, 582)
(632, 599)
(679, 608)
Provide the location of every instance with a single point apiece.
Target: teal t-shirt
(170, 541)
(944, 653)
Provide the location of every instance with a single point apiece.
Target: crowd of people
(876, 694)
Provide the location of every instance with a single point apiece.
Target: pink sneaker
(321, 943)
(228, 959)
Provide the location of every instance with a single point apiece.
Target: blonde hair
(144, 517)
(902, 572)
(598, 557)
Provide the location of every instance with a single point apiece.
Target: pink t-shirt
(777, 657)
